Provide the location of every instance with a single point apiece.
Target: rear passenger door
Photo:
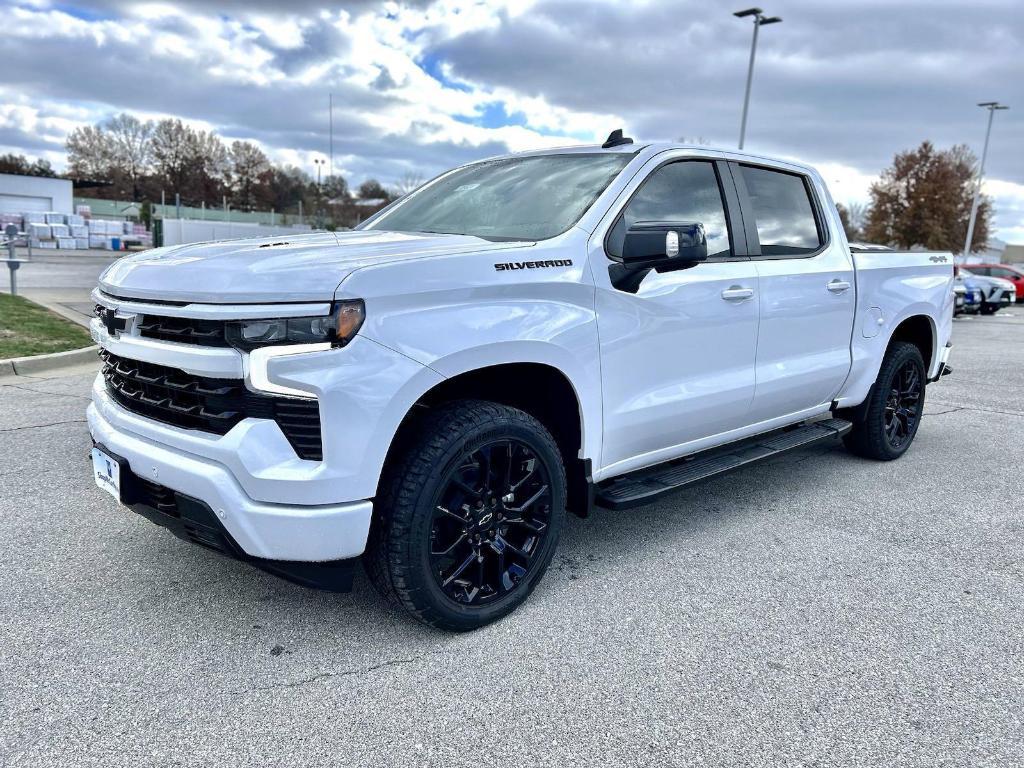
(808, 292)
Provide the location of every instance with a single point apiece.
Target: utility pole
(991, 106)
(760, 20)
(330, 119)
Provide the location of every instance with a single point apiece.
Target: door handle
(737, 293)
(838, 286)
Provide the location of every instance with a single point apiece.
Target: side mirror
(664, 246)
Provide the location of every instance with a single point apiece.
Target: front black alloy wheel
(490, 521)
(468, 515)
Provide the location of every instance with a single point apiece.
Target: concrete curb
(27, 366)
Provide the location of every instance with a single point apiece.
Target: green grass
(29, 329)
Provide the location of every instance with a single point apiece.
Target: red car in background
(1012, 272)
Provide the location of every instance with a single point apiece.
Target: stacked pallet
(51, 230)
(39, 230)
(105, 234)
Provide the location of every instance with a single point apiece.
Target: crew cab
(521, 337)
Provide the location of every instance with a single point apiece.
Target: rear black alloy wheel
(489, 522)
(468, 514)
(902, 408)
(885, 425)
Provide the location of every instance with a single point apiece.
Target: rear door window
(783, 211)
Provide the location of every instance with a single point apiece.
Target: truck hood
(284, 268)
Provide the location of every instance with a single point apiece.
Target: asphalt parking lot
(820, 609)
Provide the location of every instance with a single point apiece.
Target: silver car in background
(996, 292)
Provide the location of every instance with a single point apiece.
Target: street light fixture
(760, 20)
(319, 164)
(991, 106)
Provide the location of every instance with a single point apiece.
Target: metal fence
(180, 231)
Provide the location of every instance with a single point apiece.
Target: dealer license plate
(106, 471)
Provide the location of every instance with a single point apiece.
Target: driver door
(678, 354)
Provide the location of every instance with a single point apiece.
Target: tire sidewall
(452, 613)
(903, 355)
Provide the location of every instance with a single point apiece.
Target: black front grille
(183, 330)
(207, 404)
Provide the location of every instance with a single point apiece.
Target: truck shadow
(602, 546)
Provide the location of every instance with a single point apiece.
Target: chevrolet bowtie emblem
(112, 322)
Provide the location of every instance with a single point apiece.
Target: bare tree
(90, 154)
(175, 154)
(21, 166)
(410, 182)
(858, 216)
(250, 171)
(852, 216)
(214, 171)
(130, 145)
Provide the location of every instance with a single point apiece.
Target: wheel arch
(539, 388)
(919, 330)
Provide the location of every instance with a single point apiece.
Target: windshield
(518, 198)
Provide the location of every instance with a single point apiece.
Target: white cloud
(420, 84)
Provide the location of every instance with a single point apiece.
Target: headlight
(337, 328)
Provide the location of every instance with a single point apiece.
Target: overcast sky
(421, 86)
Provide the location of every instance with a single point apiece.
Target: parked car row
(979, 293)
(1012, 272)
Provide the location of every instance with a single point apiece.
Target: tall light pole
(991, 106)
(760, 20)
(319, 163)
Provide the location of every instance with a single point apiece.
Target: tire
(431, 497)
(875, 437)
(989, 309)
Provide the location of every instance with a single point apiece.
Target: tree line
(922, 200)
(132, 159)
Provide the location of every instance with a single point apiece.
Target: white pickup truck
(521, 337)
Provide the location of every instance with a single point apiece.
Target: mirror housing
(664, 245)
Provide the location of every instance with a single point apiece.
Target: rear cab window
(787, 224)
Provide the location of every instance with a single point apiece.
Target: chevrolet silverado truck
(523, 337)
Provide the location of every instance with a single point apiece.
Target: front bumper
(309, 533)
(193, 521)
(364, 391)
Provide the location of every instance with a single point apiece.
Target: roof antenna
(616, 139)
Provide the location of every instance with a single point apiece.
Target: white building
(34, 194)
